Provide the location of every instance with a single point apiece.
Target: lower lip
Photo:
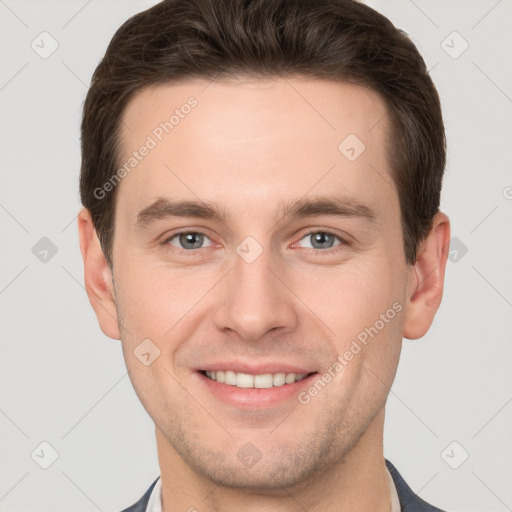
(255, 397)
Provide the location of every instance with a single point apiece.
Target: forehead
(242, 142)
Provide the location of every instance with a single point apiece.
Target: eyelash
(316, 252)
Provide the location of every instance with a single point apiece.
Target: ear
(426, 279)
(98, 277)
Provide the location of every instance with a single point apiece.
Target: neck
(356, 483)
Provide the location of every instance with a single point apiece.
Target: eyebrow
(341, 206)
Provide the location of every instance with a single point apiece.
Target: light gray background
(64, 382)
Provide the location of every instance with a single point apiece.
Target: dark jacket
(409, 502)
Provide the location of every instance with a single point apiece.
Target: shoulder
(409, 501)
(142, 504)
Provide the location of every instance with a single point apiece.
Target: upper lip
(253, 368)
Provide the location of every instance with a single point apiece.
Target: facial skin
(251, 146)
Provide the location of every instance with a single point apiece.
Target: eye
(188, 240)
(323, 240)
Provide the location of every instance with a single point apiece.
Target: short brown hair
(341, 40)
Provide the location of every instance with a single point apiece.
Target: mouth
(260, 381)
(251, 391)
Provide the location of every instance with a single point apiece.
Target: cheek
(362, 303)
(155, 298)
(351, 297)
(156, 389)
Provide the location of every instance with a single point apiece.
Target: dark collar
(409, 501)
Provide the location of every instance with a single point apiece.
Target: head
(261, 185)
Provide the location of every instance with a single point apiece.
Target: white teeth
(279, 379)
(263, 381)
(290, 377)
(246, 380)
(230, 378)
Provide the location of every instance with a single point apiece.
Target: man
(261, 228)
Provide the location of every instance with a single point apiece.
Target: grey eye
(321, 240)
(189, 240)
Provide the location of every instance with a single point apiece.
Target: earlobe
(426, 279)
(97, 276)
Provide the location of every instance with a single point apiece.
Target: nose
(255, 299)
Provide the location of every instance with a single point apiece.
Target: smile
(247, 380)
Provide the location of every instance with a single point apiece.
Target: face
(293, 271)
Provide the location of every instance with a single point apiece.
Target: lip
(254, 398)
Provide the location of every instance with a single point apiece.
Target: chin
(268, 471)
(263, 478)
